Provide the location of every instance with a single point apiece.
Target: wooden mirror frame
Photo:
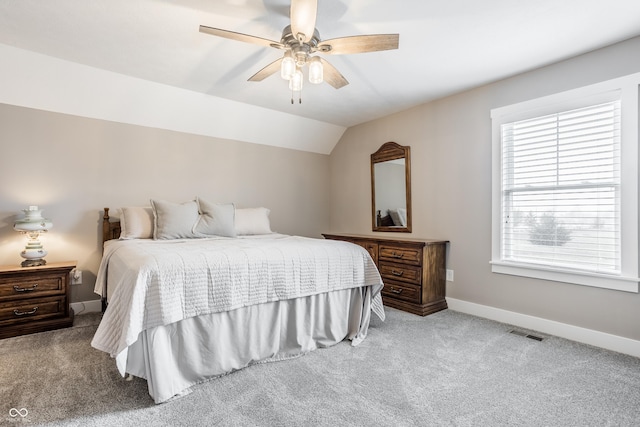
(391, 151)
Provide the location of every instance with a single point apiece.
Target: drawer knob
(397, 255)
(397, 273)
(395, 290)
(25, 313)
(20, 289)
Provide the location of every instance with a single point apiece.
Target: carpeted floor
(445, 369)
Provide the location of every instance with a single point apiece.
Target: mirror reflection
(390, 180)
(391, 200)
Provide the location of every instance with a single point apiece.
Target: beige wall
(450, 143)
(72, 167)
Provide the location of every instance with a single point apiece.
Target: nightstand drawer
(400, 291)
(34, 299)
(27, 287)
(32, 309)
(400, 254)
(404, 273)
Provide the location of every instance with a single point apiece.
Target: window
(564, 193)
(560, 189)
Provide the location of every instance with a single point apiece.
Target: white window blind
(561, 189)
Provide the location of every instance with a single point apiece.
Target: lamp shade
(33, 221)
(316, 70)
(287, 67)
(295, 84)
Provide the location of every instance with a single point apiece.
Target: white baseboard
(574, 333)
(84, 307)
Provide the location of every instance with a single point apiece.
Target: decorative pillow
(174, 220)
(395, 217)
(253, 221)
(215, 219)
(136, 223)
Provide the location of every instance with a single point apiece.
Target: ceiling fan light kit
(297, 56)
(301, 40)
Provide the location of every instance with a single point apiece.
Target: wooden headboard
(110, 229)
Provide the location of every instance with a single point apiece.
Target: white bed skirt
(175, 357)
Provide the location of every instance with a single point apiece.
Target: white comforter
(168, 281)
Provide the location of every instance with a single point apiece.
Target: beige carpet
(445, 369)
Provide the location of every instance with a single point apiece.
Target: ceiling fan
(300, 40)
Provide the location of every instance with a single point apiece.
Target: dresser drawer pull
(19, 289)
(397, 255)
(396, 291)
(25, 313)
(397, 273)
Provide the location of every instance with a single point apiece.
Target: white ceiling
(445, 46)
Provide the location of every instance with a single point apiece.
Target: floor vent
(526, 335)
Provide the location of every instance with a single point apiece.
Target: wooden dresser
(413, 271)
(34, 299)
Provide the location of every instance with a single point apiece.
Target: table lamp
(33, 224)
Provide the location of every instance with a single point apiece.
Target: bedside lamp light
(33, 224)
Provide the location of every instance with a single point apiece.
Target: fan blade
(332, 76)
(303, 18)
(360, 44)
(240, 37)
(270, 69)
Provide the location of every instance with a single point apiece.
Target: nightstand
(35, 299)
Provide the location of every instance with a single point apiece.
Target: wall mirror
(391, 188)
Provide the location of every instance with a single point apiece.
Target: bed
(182, 311)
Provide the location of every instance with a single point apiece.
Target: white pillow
(402, 214)
(252, 221)
(174, 220)
(215, 219)
(136, 223)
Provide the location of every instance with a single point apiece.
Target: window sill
(618, 283)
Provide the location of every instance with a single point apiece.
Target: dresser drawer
(401, 291)
(400, 254)
(413, 271)
(372, 248)
(29, 287)
(402, 272)
(32, 309)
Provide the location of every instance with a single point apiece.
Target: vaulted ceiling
(445, 46)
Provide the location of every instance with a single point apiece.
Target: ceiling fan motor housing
(299, 50)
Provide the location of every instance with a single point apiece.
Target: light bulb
(295, 84)
(287, 68)
(316, 70)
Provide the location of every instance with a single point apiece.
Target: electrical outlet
(76, 276)
(449, 275)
